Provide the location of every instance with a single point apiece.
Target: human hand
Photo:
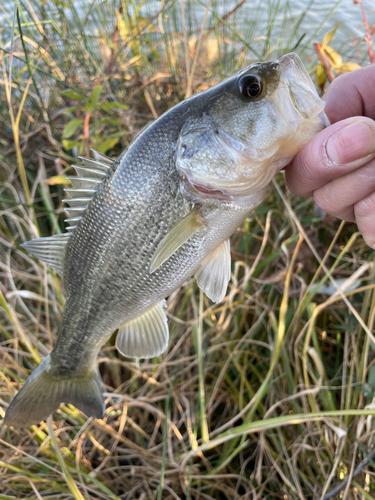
(337, 167)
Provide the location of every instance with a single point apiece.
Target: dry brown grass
(267, 395)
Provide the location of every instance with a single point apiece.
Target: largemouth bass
(164, 211)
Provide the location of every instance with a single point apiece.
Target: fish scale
(142, 225)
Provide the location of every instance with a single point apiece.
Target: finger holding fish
(337, 151)
(337, 166)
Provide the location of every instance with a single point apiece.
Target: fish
(142, 225)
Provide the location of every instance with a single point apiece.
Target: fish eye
(250, 86)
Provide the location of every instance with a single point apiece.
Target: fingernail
(351, 143)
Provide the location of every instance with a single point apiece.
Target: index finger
(351, 94)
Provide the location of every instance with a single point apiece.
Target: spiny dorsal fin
(94, 173)
(75, 211)
(214, 272)
(80, 192)
(77, 202)
(89, 177)
(145, 336)
(102, 158)
(50, 250)
(85, 182)
(177, 236)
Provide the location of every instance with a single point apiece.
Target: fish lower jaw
(231, 191)
(205, 194)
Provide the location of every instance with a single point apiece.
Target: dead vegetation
(267, 395)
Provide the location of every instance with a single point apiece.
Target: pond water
(346, 12)
(318, 18)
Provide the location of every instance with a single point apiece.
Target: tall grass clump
(268, 395)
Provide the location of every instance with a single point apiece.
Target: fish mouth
(301, 90)
(215, 162)
(206, 190)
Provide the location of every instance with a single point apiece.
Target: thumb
(335, 151)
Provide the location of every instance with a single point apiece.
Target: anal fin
(145, 336)
(214, 272)
(176, 237)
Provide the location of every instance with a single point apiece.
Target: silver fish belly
(161, 213)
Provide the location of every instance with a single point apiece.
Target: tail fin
(42, 394)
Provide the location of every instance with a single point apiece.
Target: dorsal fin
(89, 172)
(89, 177)
(85, 182)
(75, 211)
(50, 250)
(83, 192)
(102, 158)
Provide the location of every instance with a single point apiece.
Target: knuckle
(368, 236)
(298, 176)
(306, 172)
(366, 207)
(364, 211)
(370, 241)
(323, 198)
(340, 83)
(334, 200)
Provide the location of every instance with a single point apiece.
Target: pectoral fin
(177, 236)
(214, 272)
(145, 336)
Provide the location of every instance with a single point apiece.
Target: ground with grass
(268, 395)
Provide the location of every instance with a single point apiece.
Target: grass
(269, 394)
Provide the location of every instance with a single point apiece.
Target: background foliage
(266, 395)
